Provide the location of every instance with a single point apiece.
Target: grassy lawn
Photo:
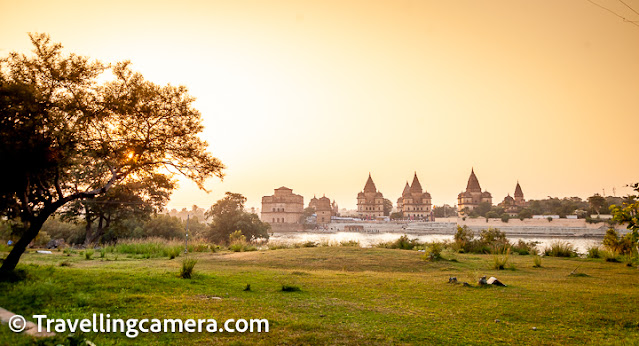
(349, 295)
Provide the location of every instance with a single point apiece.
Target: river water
(371, 239)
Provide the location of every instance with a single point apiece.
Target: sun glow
(314, 95)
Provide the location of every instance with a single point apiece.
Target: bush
(614, 243)
(41, 239)
(464, 238)
(495, 239)
(500, 259)
(433, 252)
(187, 268)
(88, 254)
(289, 288)
(560, 249)
(276, 246)
(593, 252)
(536, 261)
(525, 248)
(236, 247)
(353, 243)
(403, 243)
(610, 256)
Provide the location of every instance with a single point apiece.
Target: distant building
(415, 203)
(324, 209)
(370, 202)
(513, 206)
(283, 207)
(473, 196)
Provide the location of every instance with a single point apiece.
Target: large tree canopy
(64, 136)
(228, 216)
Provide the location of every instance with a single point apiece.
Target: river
(371, 239)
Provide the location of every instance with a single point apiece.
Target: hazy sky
(314, 95)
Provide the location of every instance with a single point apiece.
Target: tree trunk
(20, 246)
(88, 237)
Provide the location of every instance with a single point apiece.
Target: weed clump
(403, 243)
(290, 288)
(560, 249)
(187, 268)
(594, 252)
(536, 261)
(501, 258)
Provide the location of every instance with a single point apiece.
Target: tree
(596, 202)
(228, 216)
(525, 214)
(164, 226)
(398, 215)
(629, 212)
(445, 211)
(69, 138)
(129, 200)
(483, 208)
(388, 206)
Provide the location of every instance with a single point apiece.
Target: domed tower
(519, 196)
(400, 200)
(473, 196)
(370, 202)
(416, 203)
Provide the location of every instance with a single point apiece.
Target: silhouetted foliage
(228, 215)
(69, 138)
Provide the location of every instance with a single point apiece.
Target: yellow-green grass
(349, 295)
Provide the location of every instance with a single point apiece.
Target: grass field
(348, 295)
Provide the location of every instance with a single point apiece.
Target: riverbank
(448, 226)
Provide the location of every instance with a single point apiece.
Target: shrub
(290, 288)
(500, 259)
(187, 268)
(276, 246)
(628, 260)
(353, 243)
(236, 247)
(88, 254)
(464, 238)
(309, 244)
(505, 217)
(614, 243)
(237, 241)
(560, 249)
(433, 252)
(403, 243)
(536, 261)
(495, 239)
(525, 248)
(610, 256)
(593, 252)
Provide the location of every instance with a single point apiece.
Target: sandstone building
(473, 196)
(283, 207)
(324, 209)
(415, 204)
(370, 202)
(513, 206)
